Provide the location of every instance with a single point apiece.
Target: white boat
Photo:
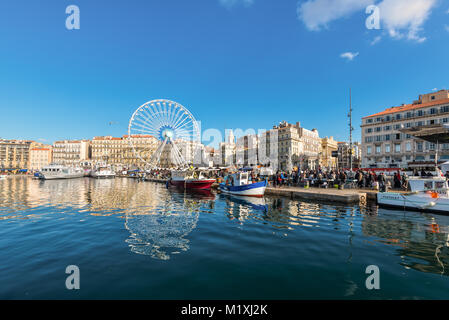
(239, 184)
(102, 172)
(56, 171)
(427, 194)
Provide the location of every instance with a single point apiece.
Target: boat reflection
(422, 240)
(242, 208)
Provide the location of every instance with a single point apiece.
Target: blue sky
(232, 63)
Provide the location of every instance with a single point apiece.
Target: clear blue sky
(247, 65)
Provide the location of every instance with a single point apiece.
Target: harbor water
(139, 240)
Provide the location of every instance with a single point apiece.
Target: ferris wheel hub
(167, 133)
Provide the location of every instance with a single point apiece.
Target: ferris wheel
(172, 125)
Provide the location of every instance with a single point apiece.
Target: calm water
(137, 240)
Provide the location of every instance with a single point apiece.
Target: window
(368, 150)
(369, 130)
(378, 129)
(378, 149)
(397, 147)
(433, 97)
(420, 113)
(433, 111)
(369, 120)
(398, 116)
(387, 137)
(387, 118)
(408, 146)
(387, 128)
(387, 148)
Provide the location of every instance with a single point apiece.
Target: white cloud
(400, 18)
(319, 13)
(349, 55)
(231, 3)
(405, 18)
(446, 27)
(376, 40)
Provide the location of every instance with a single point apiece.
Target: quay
(345, 196)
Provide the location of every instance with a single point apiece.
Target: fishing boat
(427, 194)
(239, 184)
(56, 171)
(190, 179)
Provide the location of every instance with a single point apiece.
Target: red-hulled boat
(194, 180)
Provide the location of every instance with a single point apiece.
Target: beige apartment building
(328, 147)
(384, 146)
(124, 151)
(40, 156)
(71, 152)
(297, 146)
(15, 154)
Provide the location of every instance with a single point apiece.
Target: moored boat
(55, 171)
(188, 179)
(239, 184)
(102, 172)
(427, 194)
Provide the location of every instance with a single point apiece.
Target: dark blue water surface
(138, 240)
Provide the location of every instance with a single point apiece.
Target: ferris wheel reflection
(161, 231)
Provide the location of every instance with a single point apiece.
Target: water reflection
(160, 221)
(160, 231)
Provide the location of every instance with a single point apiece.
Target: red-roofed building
(384, 146)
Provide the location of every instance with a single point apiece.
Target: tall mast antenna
(350, 128)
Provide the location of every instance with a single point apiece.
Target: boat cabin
(189, 175)
(435, 184)
(238, 179)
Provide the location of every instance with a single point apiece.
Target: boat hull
(249, 190)
(416, 202)
(62, 176)
(192, 184)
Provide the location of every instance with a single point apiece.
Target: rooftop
(416, 105)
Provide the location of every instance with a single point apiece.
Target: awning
(434, 133)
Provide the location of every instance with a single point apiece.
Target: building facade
(329, 146)
(15, 154)
(298, 147)
(127, 151)
(71, 152)
(384, 146)
(40, 156)
(344, 155)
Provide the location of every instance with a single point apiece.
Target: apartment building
(71, 152)
(297, 146)
(15, 154)
(384, 146)
(40, 156)
(127, 150)
(328, 147)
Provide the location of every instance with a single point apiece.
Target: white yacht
(102, 172)
(56, 171)
(427, 194)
